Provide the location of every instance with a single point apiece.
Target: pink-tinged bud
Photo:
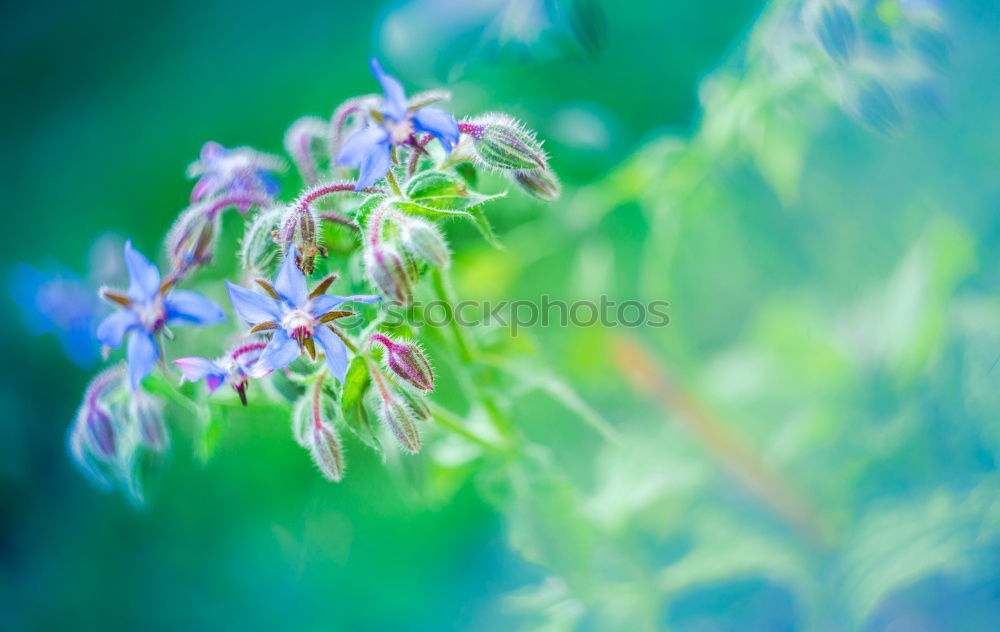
(504, 144)
(407, 361)
(325, 448)
(418, 403)
(191, 241)
(395, 412)
(424, 240)
(387, 270)
(100, 432)
(402, 422)
(305, 142)
(93, 420)
(539, 183)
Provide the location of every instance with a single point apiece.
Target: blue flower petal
(374, 166)
(114, 327)
(290, 283)
(144, 278)
(278, 354)
(253, 307)
(185, 307)
(361, 145)
(438, 122)
(336, 352)
(326, 302)
(195, 368)
(142, 355)
(395, 96)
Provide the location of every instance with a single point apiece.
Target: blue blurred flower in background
(61, 304)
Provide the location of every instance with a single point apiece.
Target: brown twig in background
(649, 377)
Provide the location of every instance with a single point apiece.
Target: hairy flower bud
(424, 240)
(407, 361)
(298, 228)
(305, 141)
(94, 418)
(191, 240)
(504, 144)
(100, 431)
(324, 445)
(258, 253)
(147, 413)
(387, 270)
(395, 412)
(539, 183)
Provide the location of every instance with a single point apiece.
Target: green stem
(444, 293)
(454, 423)
(467, 353)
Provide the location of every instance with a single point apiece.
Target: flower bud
(407, 361)
(100, 431)
(191, 240)
(402, 422)
(502, 143)
(94, 418)
(417, 403)
(387, 270)
(836, 31)
(298, 228)
(147, 412)
(305, 142)
(424, 240)
(396, 413)
(258, 253)
(539, 183)
(324, 446)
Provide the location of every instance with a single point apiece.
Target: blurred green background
(828, 255)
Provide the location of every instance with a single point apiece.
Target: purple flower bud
(407, 361)
(100, 431)
(387, 270)
(424, 240)
(191, 240)
(93, 420)
(305, 140)
(539, 183)
(503, 144)
(326, 451)
(401, 421)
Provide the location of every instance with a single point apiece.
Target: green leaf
(365, 209)
(356, 383)
(211, 431)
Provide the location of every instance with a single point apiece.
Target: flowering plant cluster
(386, 170)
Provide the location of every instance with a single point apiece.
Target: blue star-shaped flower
(370, 148)
(297, 317)
(146, 309)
